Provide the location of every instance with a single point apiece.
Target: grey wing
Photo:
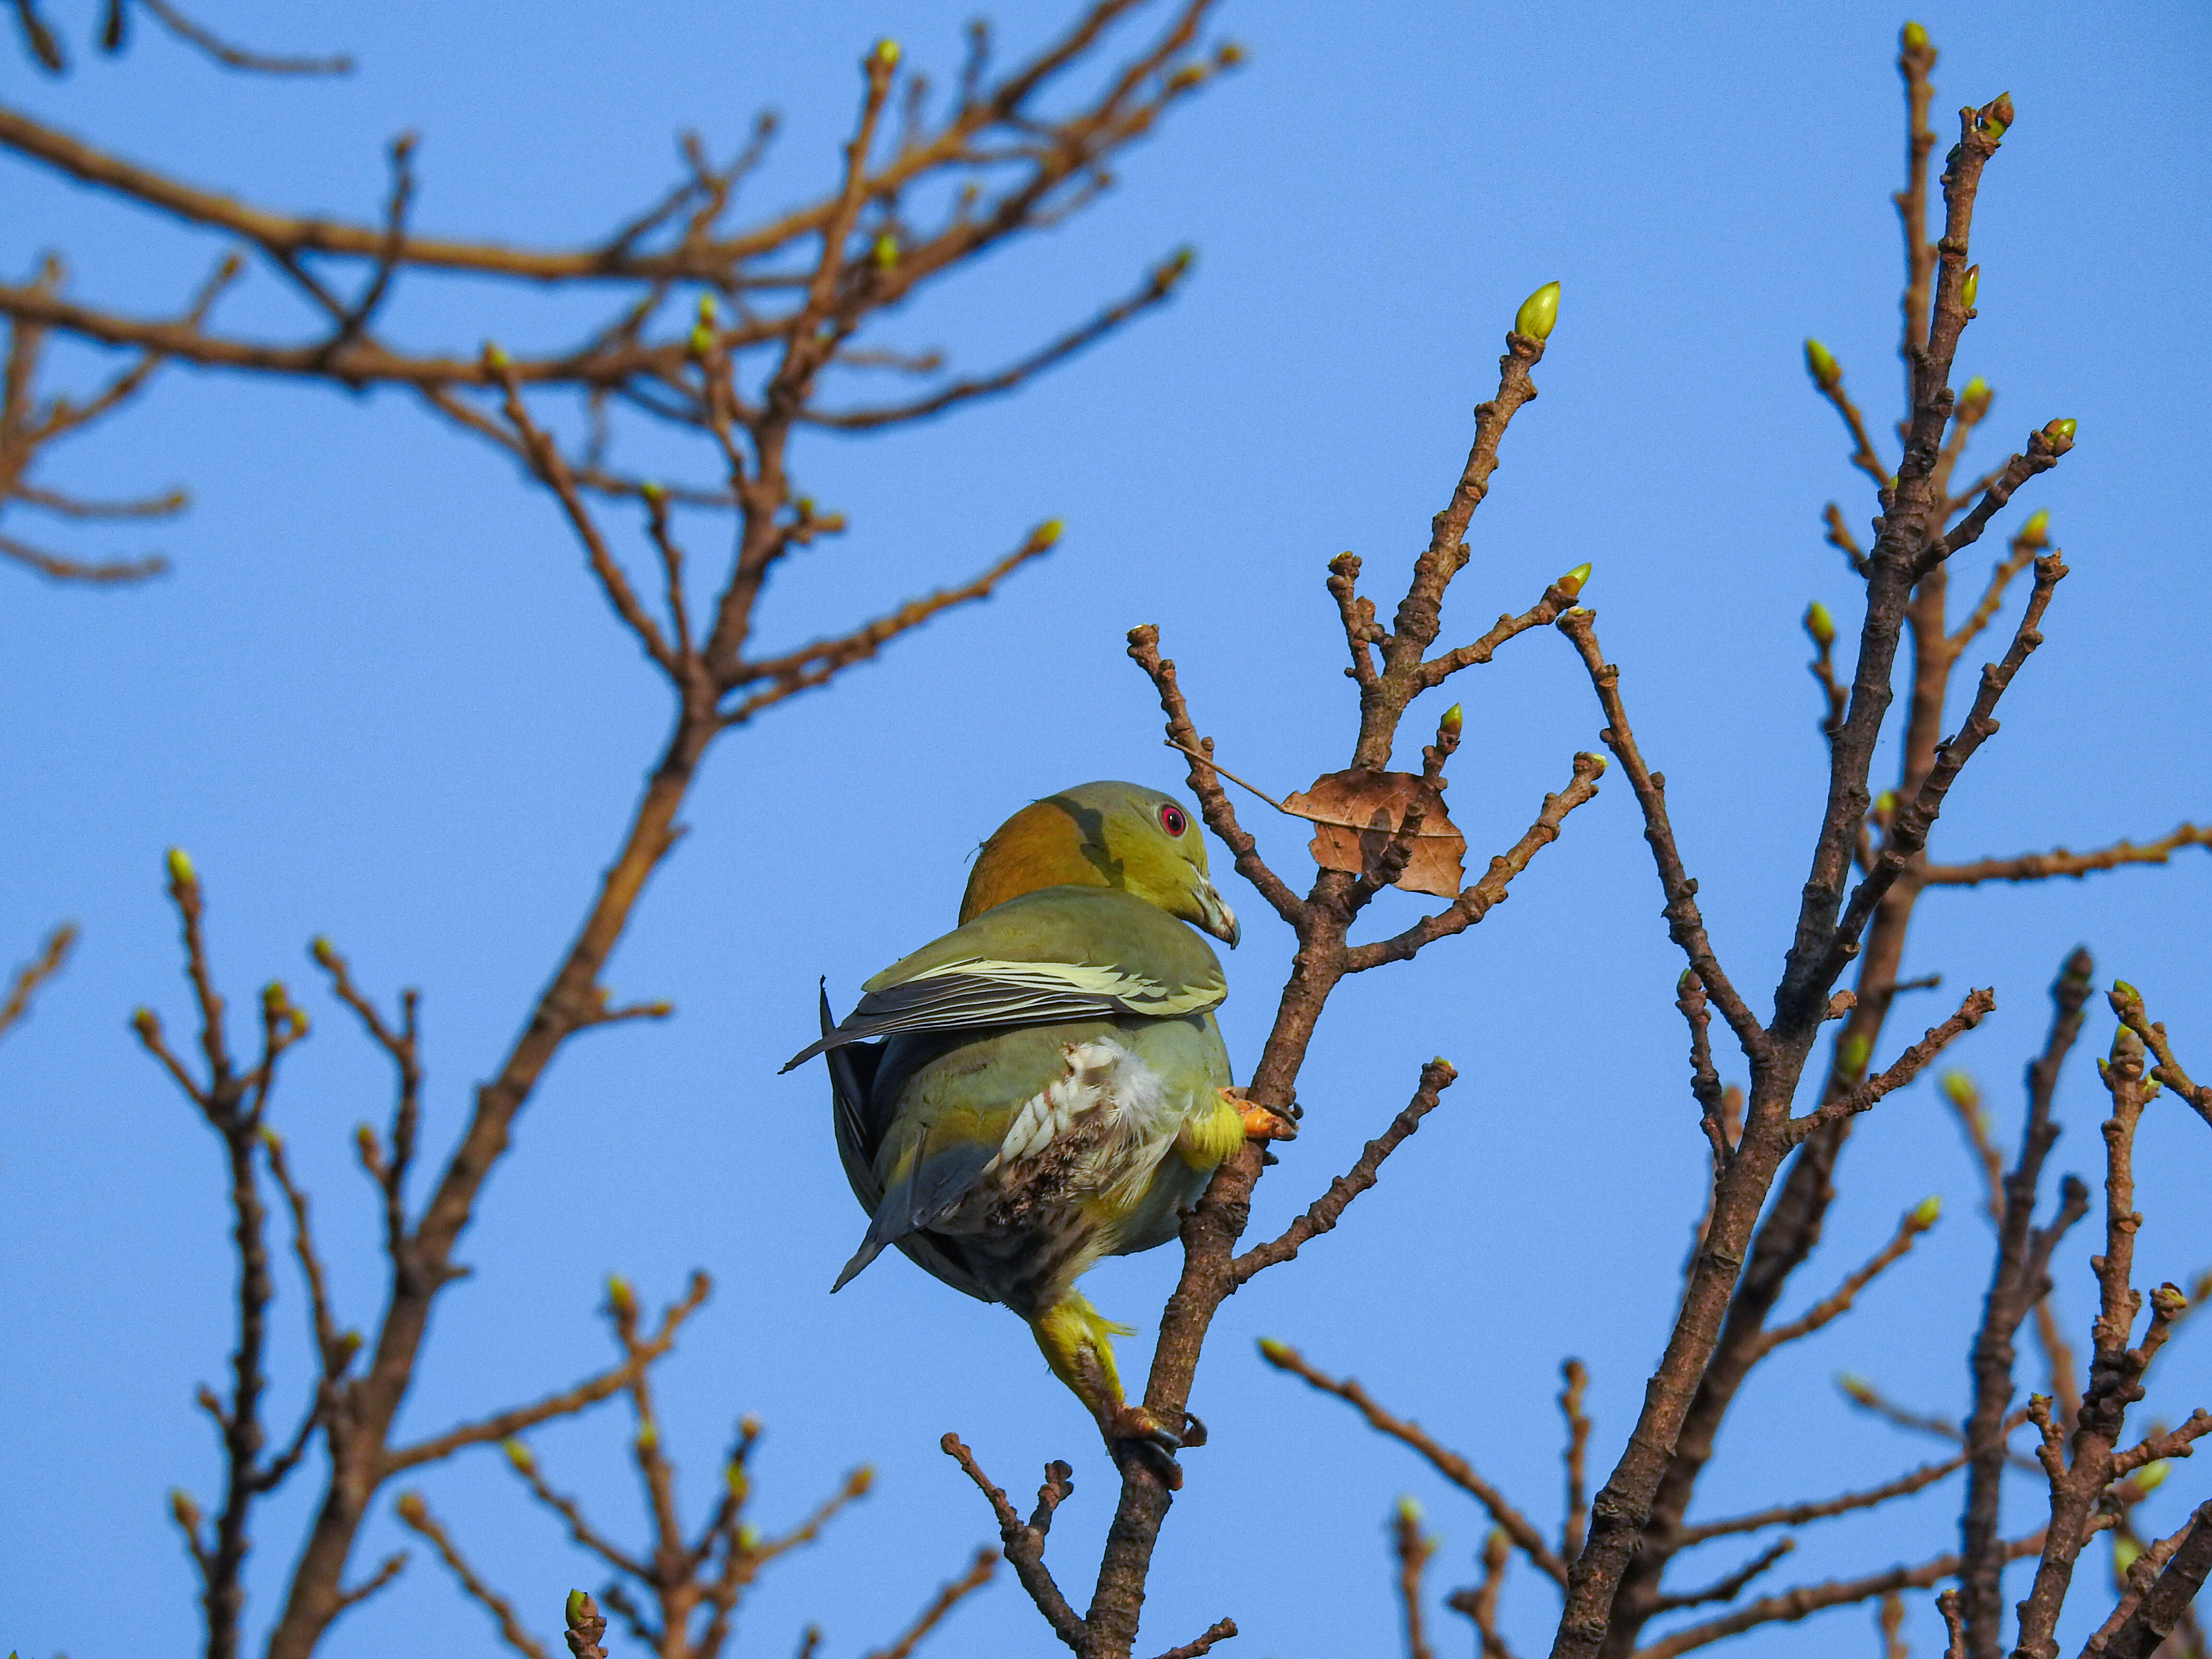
(852, 1078)
(934, 1178)
(942, 1002)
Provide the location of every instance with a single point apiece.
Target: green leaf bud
(1885, 802)
(494, 358)
(1974, 397)
(324, 953)
(181, 873)
(648, 1436)
(1409, 1512)
(273, 1141)
(411, 1508)
(733, 1477)
(1274, 1352)
(1851, 1053)
(1450, 724)
(619, 1298)
(653, 492)
(885, 252)
(748, 1539)
(1046, 534)
(1820, 363)
(2036, 531)
(2122, 988)
(146, 1024)
(2057, 430)
(1994, 118)
(519, 1456)
(706, 313)
(1926, 1211)
(1856, 1387)
(861, 1480)
(1538, 312)
(1227, 55)
(2126, 1552)
(1970, 286)
(1959, 1090)
(349, 1345)
(186, 1512)
(1914, 37)
(579, 1609)
(1819, 625)
(701, 341)
(1571, 583)
(886, 52)
(2151, 1476)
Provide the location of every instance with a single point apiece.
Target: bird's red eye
(1172, 820)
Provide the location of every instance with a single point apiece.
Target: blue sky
(378, 699)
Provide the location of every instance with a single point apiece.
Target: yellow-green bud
(324, 953)
(1926, 1211)
(1409, 1512)
(648, 1436)
(1914, 37)
(493, 357)
(1274, 1352)
(886, 52)
(364, 1140)
(862, 1479)
(1227, 55)
(748, 1539)
(1185, 78)
(579, 1608)
(1996, 117)
(349, 1345)
(2126, 1552)
(2151, 1476)
(1821, 365)
(701, 341)
(180, 868)
(272, 1140)
(1571, 583)
(1885, 802)
(2037, 530)
(885, 251)
(1958, 1089)
(518, 1454)
(1819, 625)
(1970, 287)
(1452, 721)
(1538, 312)
(186, 1512)
(652, 492)
(2122, 988)
(411, 1508)
(1852, 1052)
(2058, 430)
(1047, 534)
(146, 1023)
(1856, 1387)
(619, 1295)
(733, 1477)
(707, 311)
(1974, 396)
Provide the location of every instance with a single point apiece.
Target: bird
(1046, 1085)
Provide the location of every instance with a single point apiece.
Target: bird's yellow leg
(1077, 1344)
(1207, 1140)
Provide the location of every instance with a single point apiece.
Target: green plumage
(1049, 1087)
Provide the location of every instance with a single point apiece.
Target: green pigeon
(1049, 1087)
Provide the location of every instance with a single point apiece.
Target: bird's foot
(1152, 1441)
(1260, 1122)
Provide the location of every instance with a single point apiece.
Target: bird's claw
(1260, 1122)
(1153, 1440)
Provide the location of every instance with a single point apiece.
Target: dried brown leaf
(1357, 814)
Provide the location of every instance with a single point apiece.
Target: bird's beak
(1215, 917)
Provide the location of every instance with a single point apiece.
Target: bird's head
(1103, 834)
